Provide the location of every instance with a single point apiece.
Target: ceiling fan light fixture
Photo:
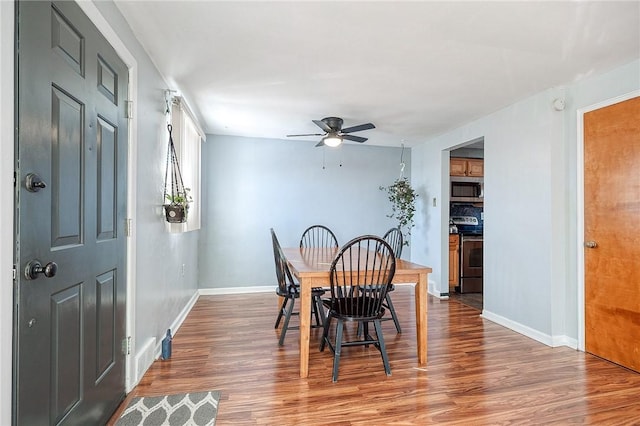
(332, 140)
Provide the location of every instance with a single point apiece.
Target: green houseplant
(403, 205)
(178, 206)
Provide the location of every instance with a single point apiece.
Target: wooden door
(612, 239)
(71, 190)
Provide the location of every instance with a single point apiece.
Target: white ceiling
(415, 69)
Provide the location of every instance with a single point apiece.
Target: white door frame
(580, 204)
(7, 17)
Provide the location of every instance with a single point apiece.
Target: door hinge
(126, 345)
(14, 272)
(128, 109)
(128, 227)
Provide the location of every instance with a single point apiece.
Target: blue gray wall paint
(252, 184)
(531, 210)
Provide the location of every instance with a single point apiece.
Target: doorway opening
(466, 222)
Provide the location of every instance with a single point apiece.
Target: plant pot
(176, 213)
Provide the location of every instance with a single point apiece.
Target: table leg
(305, 326)
(421, 318)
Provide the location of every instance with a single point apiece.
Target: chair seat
(350, 309)
(294, 291)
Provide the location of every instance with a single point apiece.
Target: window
(187, 139)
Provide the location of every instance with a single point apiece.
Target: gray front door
(69, 352)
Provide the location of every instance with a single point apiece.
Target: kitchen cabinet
(454, 261)
(472, 167)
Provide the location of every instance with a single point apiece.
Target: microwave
(466, 189)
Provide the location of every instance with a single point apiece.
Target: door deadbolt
(591, 244)
(34, 183)
(35, 268)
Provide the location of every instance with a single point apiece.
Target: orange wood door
(612, 222)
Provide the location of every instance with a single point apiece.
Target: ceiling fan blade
(323, 125)
(307, 134)
(359, 128)
(354, 138)
(320, 144)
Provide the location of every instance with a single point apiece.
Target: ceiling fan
(334, 134)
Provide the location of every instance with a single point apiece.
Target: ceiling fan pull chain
(323, 156)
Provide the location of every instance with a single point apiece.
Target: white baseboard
(553, 341)
(236, 290)
(152, 349)
(175, 326)
(144, 359)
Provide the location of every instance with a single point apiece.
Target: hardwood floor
(477, 372)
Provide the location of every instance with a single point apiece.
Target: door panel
(66, 318)
(69, 355)
(107, 181)
(612, 209)
(67, 146)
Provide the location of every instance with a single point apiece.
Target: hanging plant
(403, 202)
(177, 200)
(403, 205)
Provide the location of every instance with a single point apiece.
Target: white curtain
(188, 137)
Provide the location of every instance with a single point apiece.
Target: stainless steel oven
(471, 264)
(471, 254)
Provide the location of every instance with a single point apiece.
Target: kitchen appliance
(466, 189)
(471, 253)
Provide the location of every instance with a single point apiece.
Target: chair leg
(383, 350)
(282, 308)
(318, 311)
(365, 332)
(325, 332)
(285, 326)
(338, 349)
(393, 313)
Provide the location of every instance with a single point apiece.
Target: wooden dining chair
(359, 276)
(318, 236)
(289, 290)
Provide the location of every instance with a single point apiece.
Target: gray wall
(251, 185)
(531, 211)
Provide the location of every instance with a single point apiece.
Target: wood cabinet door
(475, 167)
(458, 167)
(454, 262)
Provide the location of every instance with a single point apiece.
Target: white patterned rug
(193, 409)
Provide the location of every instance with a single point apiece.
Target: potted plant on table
(403, 205)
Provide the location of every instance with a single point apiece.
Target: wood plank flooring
(477, 372)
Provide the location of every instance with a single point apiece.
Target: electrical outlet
(435, 202)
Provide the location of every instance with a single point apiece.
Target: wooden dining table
(310, 265)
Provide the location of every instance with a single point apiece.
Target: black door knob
(34, 268)
(34, 183)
